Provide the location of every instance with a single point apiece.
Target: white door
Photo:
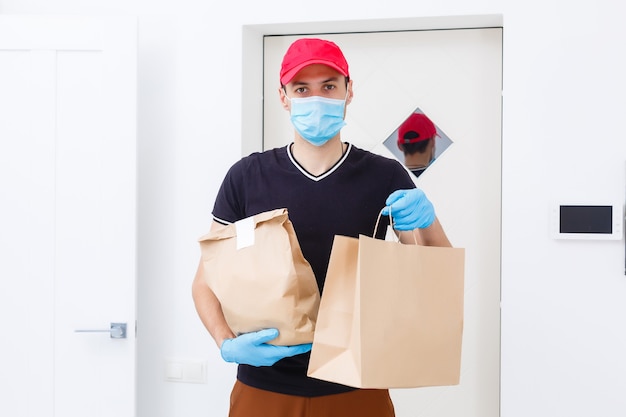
(67, 223)
(455, 77)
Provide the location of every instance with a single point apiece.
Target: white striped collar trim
(325, 174)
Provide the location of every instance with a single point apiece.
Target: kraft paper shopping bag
(257, 271)
(391, 315)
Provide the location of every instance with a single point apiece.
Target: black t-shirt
(345, 200)
(418, 171)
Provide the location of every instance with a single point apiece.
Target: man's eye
(329, 87)
(300, 90)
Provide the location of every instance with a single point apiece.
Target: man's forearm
(209, 309)
(433, 235)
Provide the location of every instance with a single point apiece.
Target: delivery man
(330, 187)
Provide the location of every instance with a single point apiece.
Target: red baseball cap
(417, 127)
(309, 51)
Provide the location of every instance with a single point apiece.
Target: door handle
(116, 331)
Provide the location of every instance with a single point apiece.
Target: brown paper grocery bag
(256, 269)
(391, 315)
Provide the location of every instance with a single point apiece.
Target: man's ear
(350, 93)
(283, 98)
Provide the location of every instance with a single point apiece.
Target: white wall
(563, 309)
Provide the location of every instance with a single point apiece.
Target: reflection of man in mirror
(416, 139)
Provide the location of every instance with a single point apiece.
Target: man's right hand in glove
(253, 349)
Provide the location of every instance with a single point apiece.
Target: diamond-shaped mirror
(417, 142)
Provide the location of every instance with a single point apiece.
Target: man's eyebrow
(331, 79)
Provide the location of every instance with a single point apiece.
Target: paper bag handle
(380, 213)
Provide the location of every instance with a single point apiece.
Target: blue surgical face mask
(317, 119)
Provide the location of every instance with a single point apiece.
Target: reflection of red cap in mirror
(416, 128)
(309, 51)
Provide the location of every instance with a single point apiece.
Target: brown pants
(247, 401)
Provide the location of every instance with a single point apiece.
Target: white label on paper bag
(245, 232)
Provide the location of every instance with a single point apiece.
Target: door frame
(253, 39)
(252, 55)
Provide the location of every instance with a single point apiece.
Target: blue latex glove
(252, 349)
(410, 209)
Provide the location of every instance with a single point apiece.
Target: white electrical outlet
(185, 370)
